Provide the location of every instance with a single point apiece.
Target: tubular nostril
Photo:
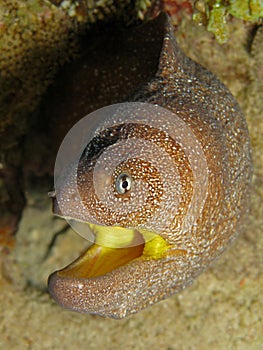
(52, 194)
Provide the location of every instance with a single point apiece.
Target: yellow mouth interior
(114, 247)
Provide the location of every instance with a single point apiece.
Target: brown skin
(206, 106)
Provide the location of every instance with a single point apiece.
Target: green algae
(216, 14)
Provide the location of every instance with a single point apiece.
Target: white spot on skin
(80, 286)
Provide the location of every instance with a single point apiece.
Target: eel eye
(123, 183)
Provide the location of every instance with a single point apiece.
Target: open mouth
(112, 248)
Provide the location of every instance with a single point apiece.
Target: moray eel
(159, 184)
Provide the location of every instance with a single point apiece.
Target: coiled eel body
(159, 183)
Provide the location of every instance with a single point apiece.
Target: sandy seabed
(223, 309)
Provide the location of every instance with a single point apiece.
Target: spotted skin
(203, 134)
